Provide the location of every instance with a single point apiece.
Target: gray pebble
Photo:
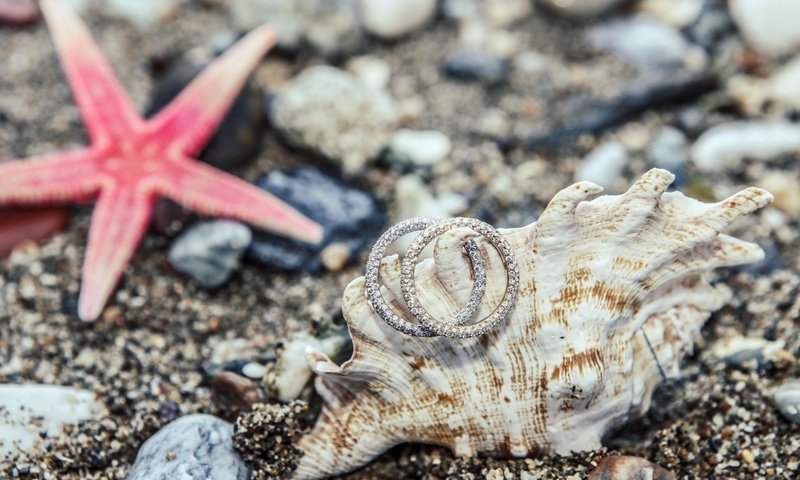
(641, 41)
(581, 9)
(668, 149)
(193, 447)
(209, 252)
(604, 165)
(476, 66)
(787, 399)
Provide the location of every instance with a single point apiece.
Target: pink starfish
(131, 162)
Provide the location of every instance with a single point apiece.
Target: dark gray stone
(476, 66)
(209, 252)
(348, 215)
(237, 137)
(194, 447)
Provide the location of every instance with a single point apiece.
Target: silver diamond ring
(427, 326)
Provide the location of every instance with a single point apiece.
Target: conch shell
(612, 293)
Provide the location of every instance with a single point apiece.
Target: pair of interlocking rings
(427, 326)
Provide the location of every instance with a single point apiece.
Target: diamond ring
(455, 326)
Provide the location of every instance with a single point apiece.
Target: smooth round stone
(476, 66)
(669, 149)
(641, 41)
(771, 26)
(144, 14)
(210, 252)
(18, 12)
(391, 19)
(723, 147)
(29, 224)
(27, 412)
(784, 84)
(581, 9)
(787, 399)
(419, 147)
(329, 111)
(193, 447)
(604, 165)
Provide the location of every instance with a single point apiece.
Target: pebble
(498, 14)
(254, 370)
(236, 140)
(641, 41)
(144, 14)
(414, 199)
(724, 146)
(18, 12)
(581, 9)
(604, 165)
(422, 148)
(29, 413)
(787, 399)
(390, 19)
(234, 393)
(335, 256)
(329, 27)
(29, 224)
(290, 373)
(371, 70)
(769, 25)
(736, 349)
(677, 13)
(785, 187)
(328, 110)
(783, 85)
(668, 149)
(348, 215)
(170, 218)
(623, 467)
(476, 66)
(193, 447)
(209, 252)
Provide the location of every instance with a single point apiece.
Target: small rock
(787, 399)
(18, 12)
(604, 165)
(328, 110)
(169, 218)
(392, 19)
(769, 25)
(473, 65)
(371, 70)
(290, 373)
(498, 14)
(143, 13)
(641, 41)
(419, 147)
(736, 349)
(29, 224)
(414, 199)
(234, 393)
(785, 187)
(196, 447)
(236, 139)
(29, 413)
(783, 85)
(581, 9)
(209, 252)
(335, 256)
(724, 146)
(623, 467)
(677, 13)
(668, 149)
(330, 27)
(254, 370)
(348, 215)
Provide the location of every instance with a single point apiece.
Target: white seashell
(569, 363)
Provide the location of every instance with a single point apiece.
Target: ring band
(372, 274)
(427, 326)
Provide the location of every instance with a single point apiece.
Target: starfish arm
(107, 111)
(119, 222)
(213, 192)
(49, 178)
(188, 122)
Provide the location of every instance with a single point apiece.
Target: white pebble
(769, 25)
(392, 19)
(724, 146)
(421, 147)
(603, 165)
